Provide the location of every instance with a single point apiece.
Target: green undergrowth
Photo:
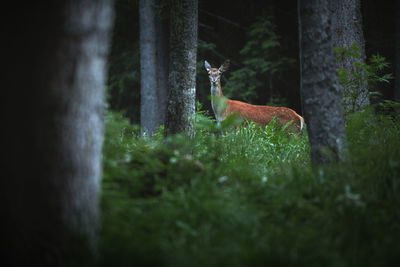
(245, 196)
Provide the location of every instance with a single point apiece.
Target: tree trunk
(321, 96)
(162, 54)
(397, 52)
(347, 30)
(58, 72)
(148, 67)
(182, 68)
(154, 66)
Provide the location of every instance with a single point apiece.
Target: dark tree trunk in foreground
(182, 68)
(57, 71)
(347, 30)
(321, 96)
(397, 62)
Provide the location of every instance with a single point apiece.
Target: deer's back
(263, 115)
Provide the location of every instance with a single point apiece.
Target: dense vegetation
(245, 196)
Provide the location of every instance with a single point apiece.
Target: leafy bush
(361, 75)
(245, 196)
(263, 63)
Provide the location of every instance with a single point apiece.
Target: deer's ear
(225, 66)
(207, 65)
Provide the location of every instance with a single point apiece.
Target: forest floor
(250, 197)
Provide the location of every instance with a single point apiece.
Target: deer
(261, 115)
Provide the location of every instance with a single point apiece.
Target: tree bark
(182, 68)
(397, 52)
(347, 30)
(57, 82)
(162, 54)
(321, 97)
(153, 66)
(148, 67)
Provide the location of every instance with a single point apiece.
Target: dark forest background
(225, 29)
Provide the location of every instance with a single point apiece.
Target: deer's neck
(217, 102)
(216, 90)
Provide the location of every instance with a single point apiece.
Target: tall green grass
(245, 196)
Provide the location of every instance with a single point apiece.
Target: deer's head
(214, 74)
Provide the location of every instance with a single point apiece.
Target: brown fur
(262, 115)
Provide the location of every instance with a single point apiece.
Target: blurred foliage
(362, 75)
(263, 63)
(277, 100)
(123, 89)
(247, 196)
(123, 85)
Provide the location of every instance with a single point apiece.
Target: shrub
(247, 196)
